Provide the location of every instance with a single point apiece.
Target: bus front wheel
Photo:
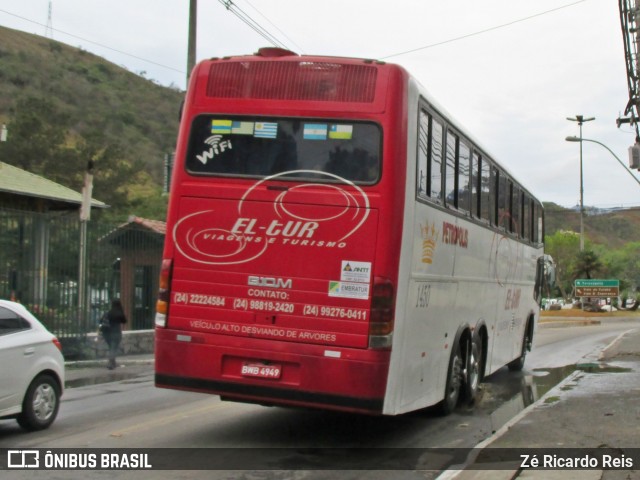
(518, 364)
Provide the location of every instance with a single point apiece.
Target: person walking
(112, 330)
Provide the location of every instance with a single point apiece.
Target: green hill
(96, 98)
(612, 229)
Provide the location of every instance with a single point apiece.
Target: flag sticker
(242, 128)
(221, 126)
(341, 132)
(315, 131)
(266, 130)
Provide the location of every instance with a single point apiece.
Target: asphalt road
(132, 413)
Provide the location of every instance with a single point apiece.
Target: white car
(31, 368)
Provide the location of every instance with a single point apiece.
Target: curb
(501, 471)
(578, 322)
(100, 362)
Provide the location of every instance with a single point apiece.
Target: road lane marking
(166, 420)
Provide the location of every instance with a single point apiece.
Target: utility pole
(85, 216)
(191, 47)
(580, 119)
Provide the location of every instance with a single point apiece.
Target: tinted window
(464, 186)
(526, 218)
(260, 147)
(537, 223)
(450, 169)
(487, 198)
(11, 322)
(475, 185)
(423, 154)
(435, 166)
(504, 197)
(516, 205)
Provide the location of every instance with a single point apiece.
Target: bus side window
(464, 180)
(537, 224)
(526, 218)
(516, 205)
(450, 170)
(503, 201)
(476, 177)
(487, 202)
(423, 151)
(434, 189)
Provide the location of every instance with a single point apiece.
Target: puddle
(533, 385)
(601, 368)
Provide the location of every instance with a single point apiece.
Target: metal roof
(16, 181)
(135, 229)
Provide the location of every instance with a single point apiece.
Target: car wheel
(41, 404)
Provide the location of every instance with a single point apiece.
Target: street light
(580, 119)
(576, 139)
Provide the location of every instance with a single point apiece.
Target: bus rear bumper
(272, 372)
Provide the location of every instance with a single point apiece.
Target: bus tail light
(164, 292)
(382, 313)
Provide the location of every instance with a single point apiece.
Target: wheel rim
(44, 402)
(525, 347)
(473, 370)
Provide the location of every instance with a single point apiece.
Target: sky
(509, 71)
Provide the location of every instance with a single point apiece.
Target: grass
(576, 312)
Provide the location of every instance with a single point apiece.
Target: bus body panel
(310, 375)
(284, 270)
(458, 272)
(256, 275)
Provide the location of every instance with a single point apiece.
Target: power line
(228, 4)
(251, 23)
(95, 43)
(480, 32)
(300, 49)
(263, 32)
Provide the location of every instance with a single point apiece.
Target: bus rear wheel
(472, 369)
(453, 384)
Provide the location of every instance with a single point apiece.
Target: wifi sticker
(217, 146)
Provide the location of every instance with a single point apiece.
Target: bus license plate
(261, 371)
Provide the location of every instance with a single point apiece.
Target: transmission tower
(49, 30)
(630, 22)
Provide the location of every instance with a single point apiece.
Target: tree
(623, 264)
(113, 174)
(563, 246)
(587, 264)
(41, 142)
(38, 134)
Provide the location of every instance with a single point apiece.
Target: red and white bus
(336, 240)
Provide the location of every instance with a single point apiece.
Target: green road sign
(597, 288)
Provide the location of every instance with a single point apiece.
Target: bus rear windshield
(287, 147)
